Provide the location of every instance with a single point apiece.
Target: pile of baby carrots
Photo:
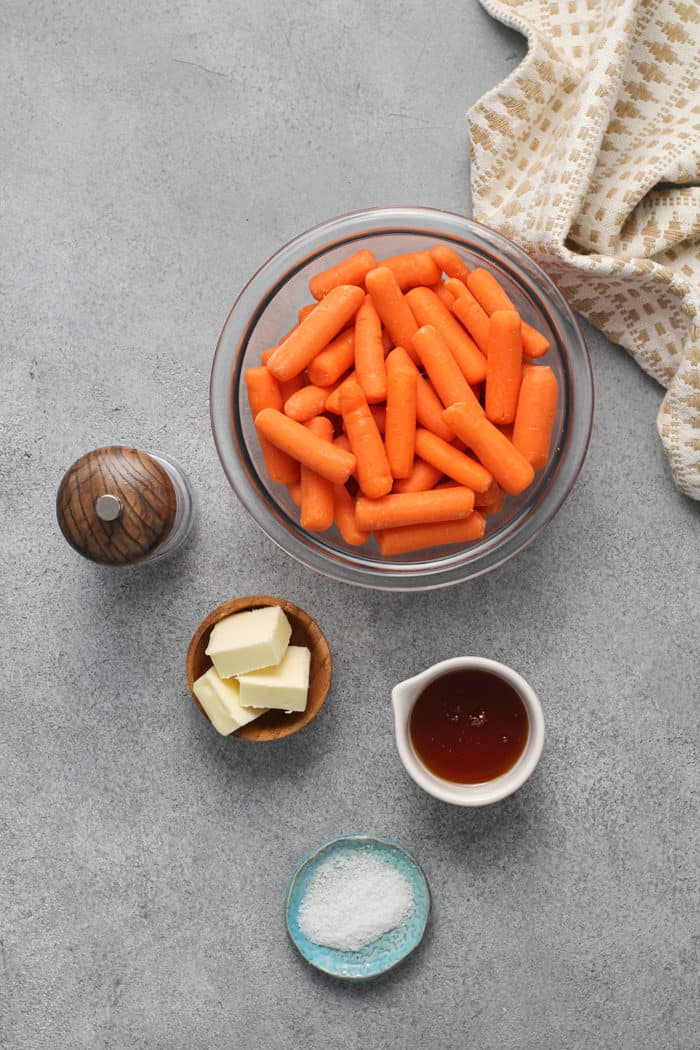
(406, 401)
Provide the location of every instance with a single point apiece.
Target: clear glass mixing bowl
(267, 307)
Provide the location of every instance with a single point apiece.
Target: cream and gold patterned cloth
(588, 155)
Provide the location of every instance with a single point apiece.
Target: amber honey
(469, 726)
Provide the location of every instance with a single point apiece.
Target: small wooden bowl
(275, 724)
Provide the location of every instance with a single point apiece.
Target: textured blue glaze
(389, 949)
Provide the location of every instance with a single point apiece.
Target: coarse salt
(352, 900)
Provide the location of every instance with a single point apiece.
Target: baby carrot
(455, 464)
(304, 312)
(295, 492)
(407, 538)
(334, 361)
(443, 293)
(333, 399)
(349, 271)
(264, 392)
(534, 419)
(306, 403)
(428, 404)
(299, 442)
(488, 292)
(508, 466)
(413, 508)
(422, 477)
(491, 501)
(387, 341)
(504, 366)
(344, 516)
(455, 287)
(449, 262)
(399, 437)
(473, 317)
(317, 502)
(391, 305)
(369, 352)
(316, 331)
(373, 473)
(443, 371)
(413, 268)
(427, 309)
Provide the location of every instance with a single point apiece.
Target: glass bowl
(267, 307)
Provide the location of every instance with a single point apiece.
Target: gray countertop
(155, 155)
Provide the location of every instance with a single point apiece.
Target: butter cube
(248, 641)
(221, 700)
(285, 687)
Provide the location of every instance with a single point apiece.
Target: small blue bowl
(388, 950)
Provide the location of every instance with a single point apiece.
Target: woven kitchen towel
(588, 155)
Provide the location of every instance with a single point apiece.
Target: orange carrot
(316, 331)
(443, 293)
(317, 502)
(392, 306)
(474, 318)
(295, 492)
(297, 441)
(457, 465)
(428, 404)
(455, 287)
(267, 354)
(387, 341)
(264, 392)
(444, 373)
(304, 313)
(373, 473)
(534, 419)
(369, 352)
(428, 310)
(334, 361)
(333, 399)
(306, 403)
(491, 501)
(348, 271)
(379, 417)
(401, 397)
(413, 268)
(508, 466)
(413, 508)
(344, 515)
(422, 477)
(449, 262)
(407, 538)
(488, 292)
(504, 366)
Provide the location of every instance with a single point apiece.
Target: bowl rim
(352, 567)
(484, 793)
(357, 837)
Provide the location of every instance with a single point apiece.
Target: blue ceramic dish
(388, 950)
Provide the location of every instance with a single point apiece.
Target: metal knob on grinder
(120, 506)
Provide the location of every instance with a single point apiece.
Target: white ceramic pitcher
(405, 694)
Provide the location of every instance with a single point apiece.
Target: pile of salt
(352, 900)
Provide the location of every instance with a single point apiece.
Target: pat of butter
(220, 698)
(284, 687)
(248, 641)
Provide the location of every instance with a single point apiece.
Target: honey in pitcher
(469, 726)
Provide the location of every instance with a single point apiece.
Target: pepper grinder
(121, 506)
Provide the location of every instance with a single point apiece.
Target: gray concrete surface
(154, 154)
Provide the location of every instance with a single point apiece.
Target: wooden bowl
(275, 724)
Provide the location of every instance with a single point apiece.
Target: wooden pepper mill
(119, 506)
